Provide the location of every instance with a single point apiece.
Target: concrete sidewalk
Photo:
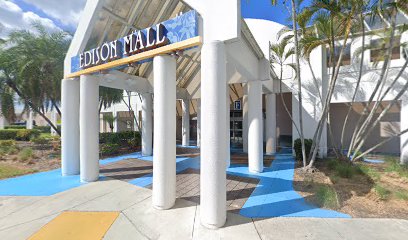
(20, 217)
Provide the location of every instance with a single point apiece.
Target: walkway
(20, 217)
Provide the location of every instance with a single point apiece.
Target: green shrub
(41, 140)
(18, 134)
(43, 129)
(7, 143)
(298, 148)
(119, 138)
(332, 164)
(8, 147)
(15, 127)
(345, 170)
(26, 154)
(327, 197)
(382, 192)
(109, 149)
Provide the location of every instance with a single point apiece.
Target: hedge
(42, 129)
(298, 148)
(15, 127)
(18, 134)
(119, 137)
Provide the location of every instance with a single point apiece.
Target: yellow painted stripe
(77, 225)
(192, 42)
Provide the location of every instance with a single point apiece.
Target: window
(379, 48)
(346, 59)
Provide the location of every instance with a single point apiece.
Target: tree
(109, 96)
(32, 68)
(110, 119)
(293, 13)
(331, 24)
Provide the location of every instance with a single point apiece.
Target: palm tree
(110, 120)
(109, 96)
(294, 7)
(32, 68)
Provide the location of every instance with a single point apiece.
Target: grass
(403, 195)
(26, 154)
(343, 169)
(382, 192)
(327, 197)
(374, 175)
(7, 171)
(393, 165)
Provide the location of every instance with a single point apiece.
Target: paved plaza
(262, 206)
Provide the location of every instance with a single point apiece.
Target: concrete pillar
(147, 124)
(70, 127)
(404, 137)
(255, 139)
(245, 118)
(115, 122)
(213, 164)
(185, 122)
(3, 121)
(198, 122)
(54, 118)
(29, 123)
(89, 128)
(270, 125)
(228, 131)
(164, 152)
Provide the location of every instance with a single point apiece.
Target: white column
(245, 118)
(213, 164)
(255, 139)
(3, 121)
(29, 123)
(115, 122)
(54, 118)
(199, 122)
(270, 125)
(164, 152)
(147, 124)
(228, 132)
(70, 127)
(404, 137)
(89, 128)
(185, 122)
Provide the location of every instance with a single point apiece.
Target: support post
(199, 122)
(70, 127)
(54, 118)
(147, 124)
(164, 152)
(185, 128)
(89, 128)
(213, 164)
(29, 123)
(255, 139)
(245, 118)
(228, 131)
(270, 125)
(404, 126)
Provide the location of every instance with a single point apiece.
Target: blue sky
(64, 14)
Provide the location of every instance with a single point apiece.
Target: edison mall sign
(172, 31)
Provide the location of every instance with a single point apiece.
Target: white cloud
(68, 11)
(13, 17)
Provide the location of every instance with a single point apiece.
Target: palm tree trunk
(299, 80)
(360, 74)
(32, 106)
(333, 81)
